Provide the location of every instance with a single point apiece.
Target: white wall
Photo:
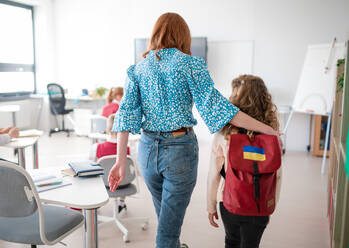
(93, 39)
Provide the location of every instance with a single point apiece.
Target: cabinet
(338, 180)
(320, 136)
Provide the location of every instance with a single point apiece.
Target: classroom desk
(87, 194)
(21, 144)
(85, 102)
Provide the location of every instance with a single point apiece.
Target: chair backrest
(57, 98)
(17, 191)
(98, 124)
(107, 163)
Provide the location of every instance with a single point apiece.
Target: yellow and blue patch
(254, 153)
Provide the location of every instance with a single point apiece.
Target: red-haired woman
(159, 96)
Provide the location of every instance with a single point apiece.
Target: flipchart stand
(327, 68)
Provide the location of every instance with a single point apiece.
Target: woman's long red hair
(170, 31)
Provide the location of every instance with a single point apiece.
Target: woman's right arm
(127, 119)
(245, 121)
(117, 172)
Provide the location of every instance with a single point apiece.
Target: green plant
(340, 82)
(101, 91)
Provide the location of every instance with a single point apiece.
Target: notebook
(52, 184)
(30, 133)
(86, 168)
(44, 181)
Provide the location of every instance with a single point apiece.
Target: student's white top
(93, 150)
(4, 139)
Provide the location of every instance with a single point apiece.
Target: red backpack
(250, 181)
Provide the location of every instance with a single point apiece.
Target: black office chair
(57, 106)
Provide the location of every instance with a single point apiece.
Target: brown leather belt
(181, 131)
(177, 132)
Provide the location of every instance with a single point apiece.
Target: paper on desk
(30, 133)
(65, 182)
(38, 177)
(68, 172)
(49, 181)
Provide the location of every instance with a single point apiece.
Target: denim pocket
(144, 151)
(180, 158)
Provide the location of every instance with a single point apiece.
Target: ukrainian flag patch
(254, 153)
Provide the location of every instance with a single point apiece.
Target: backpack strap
(244, 131)
(256, 180)
(222, 172)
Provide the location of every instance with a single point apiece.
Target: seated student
(108, 148)
(114, 98)
(6, 134)
(241, 230)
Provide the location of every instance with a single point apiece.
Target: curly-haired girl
(250, 95)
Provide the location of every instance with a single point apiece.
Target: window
(17, 51)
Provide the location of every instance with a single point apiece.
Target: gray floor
(299, 221)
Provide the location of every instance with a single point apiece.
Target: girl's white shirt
(4, 139)
(215, 183)
(93, 150)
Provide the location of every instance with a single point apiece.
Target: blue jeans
(169, 167)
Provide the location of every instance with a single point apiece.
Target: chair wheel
(125, 238)
(145, 226)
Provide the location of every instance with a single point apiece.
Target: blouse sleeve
(129, 115)
(214, 109)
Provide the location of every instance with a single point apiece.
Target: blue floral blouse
(159, 95)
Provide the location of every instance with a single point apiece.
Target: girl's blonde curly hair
(251, 96)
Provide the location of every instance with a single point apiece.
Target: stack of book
(85, 169)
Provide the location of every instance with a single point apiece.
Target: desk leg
(35, 156)
(90, 230)
(14, 122)
(21, 157)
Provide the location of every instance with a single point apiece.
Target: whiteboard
(315, 89)
(228, 60)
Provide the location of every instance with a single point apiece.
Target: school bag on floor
(250, 180)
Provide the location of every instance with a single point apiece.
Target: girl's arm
(214, 178)
(245, 121)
